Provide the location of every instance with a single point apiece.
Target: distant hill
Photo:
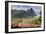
(22, 13)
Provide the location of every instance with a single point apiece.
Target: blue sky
(37, 9)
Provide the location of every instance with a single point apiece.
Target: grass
(35, 20)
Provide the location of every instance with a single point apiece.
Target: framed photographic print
(24, 16)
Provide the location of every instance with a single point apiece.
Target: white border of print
(24, 29)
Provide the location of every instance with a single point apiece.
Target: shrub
(36, 21)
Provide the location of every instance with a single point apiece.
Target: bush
(37, 21)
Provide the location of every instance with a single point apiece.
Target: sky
(36, 9)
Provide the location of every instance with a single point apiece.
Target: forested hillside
(22, 13)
